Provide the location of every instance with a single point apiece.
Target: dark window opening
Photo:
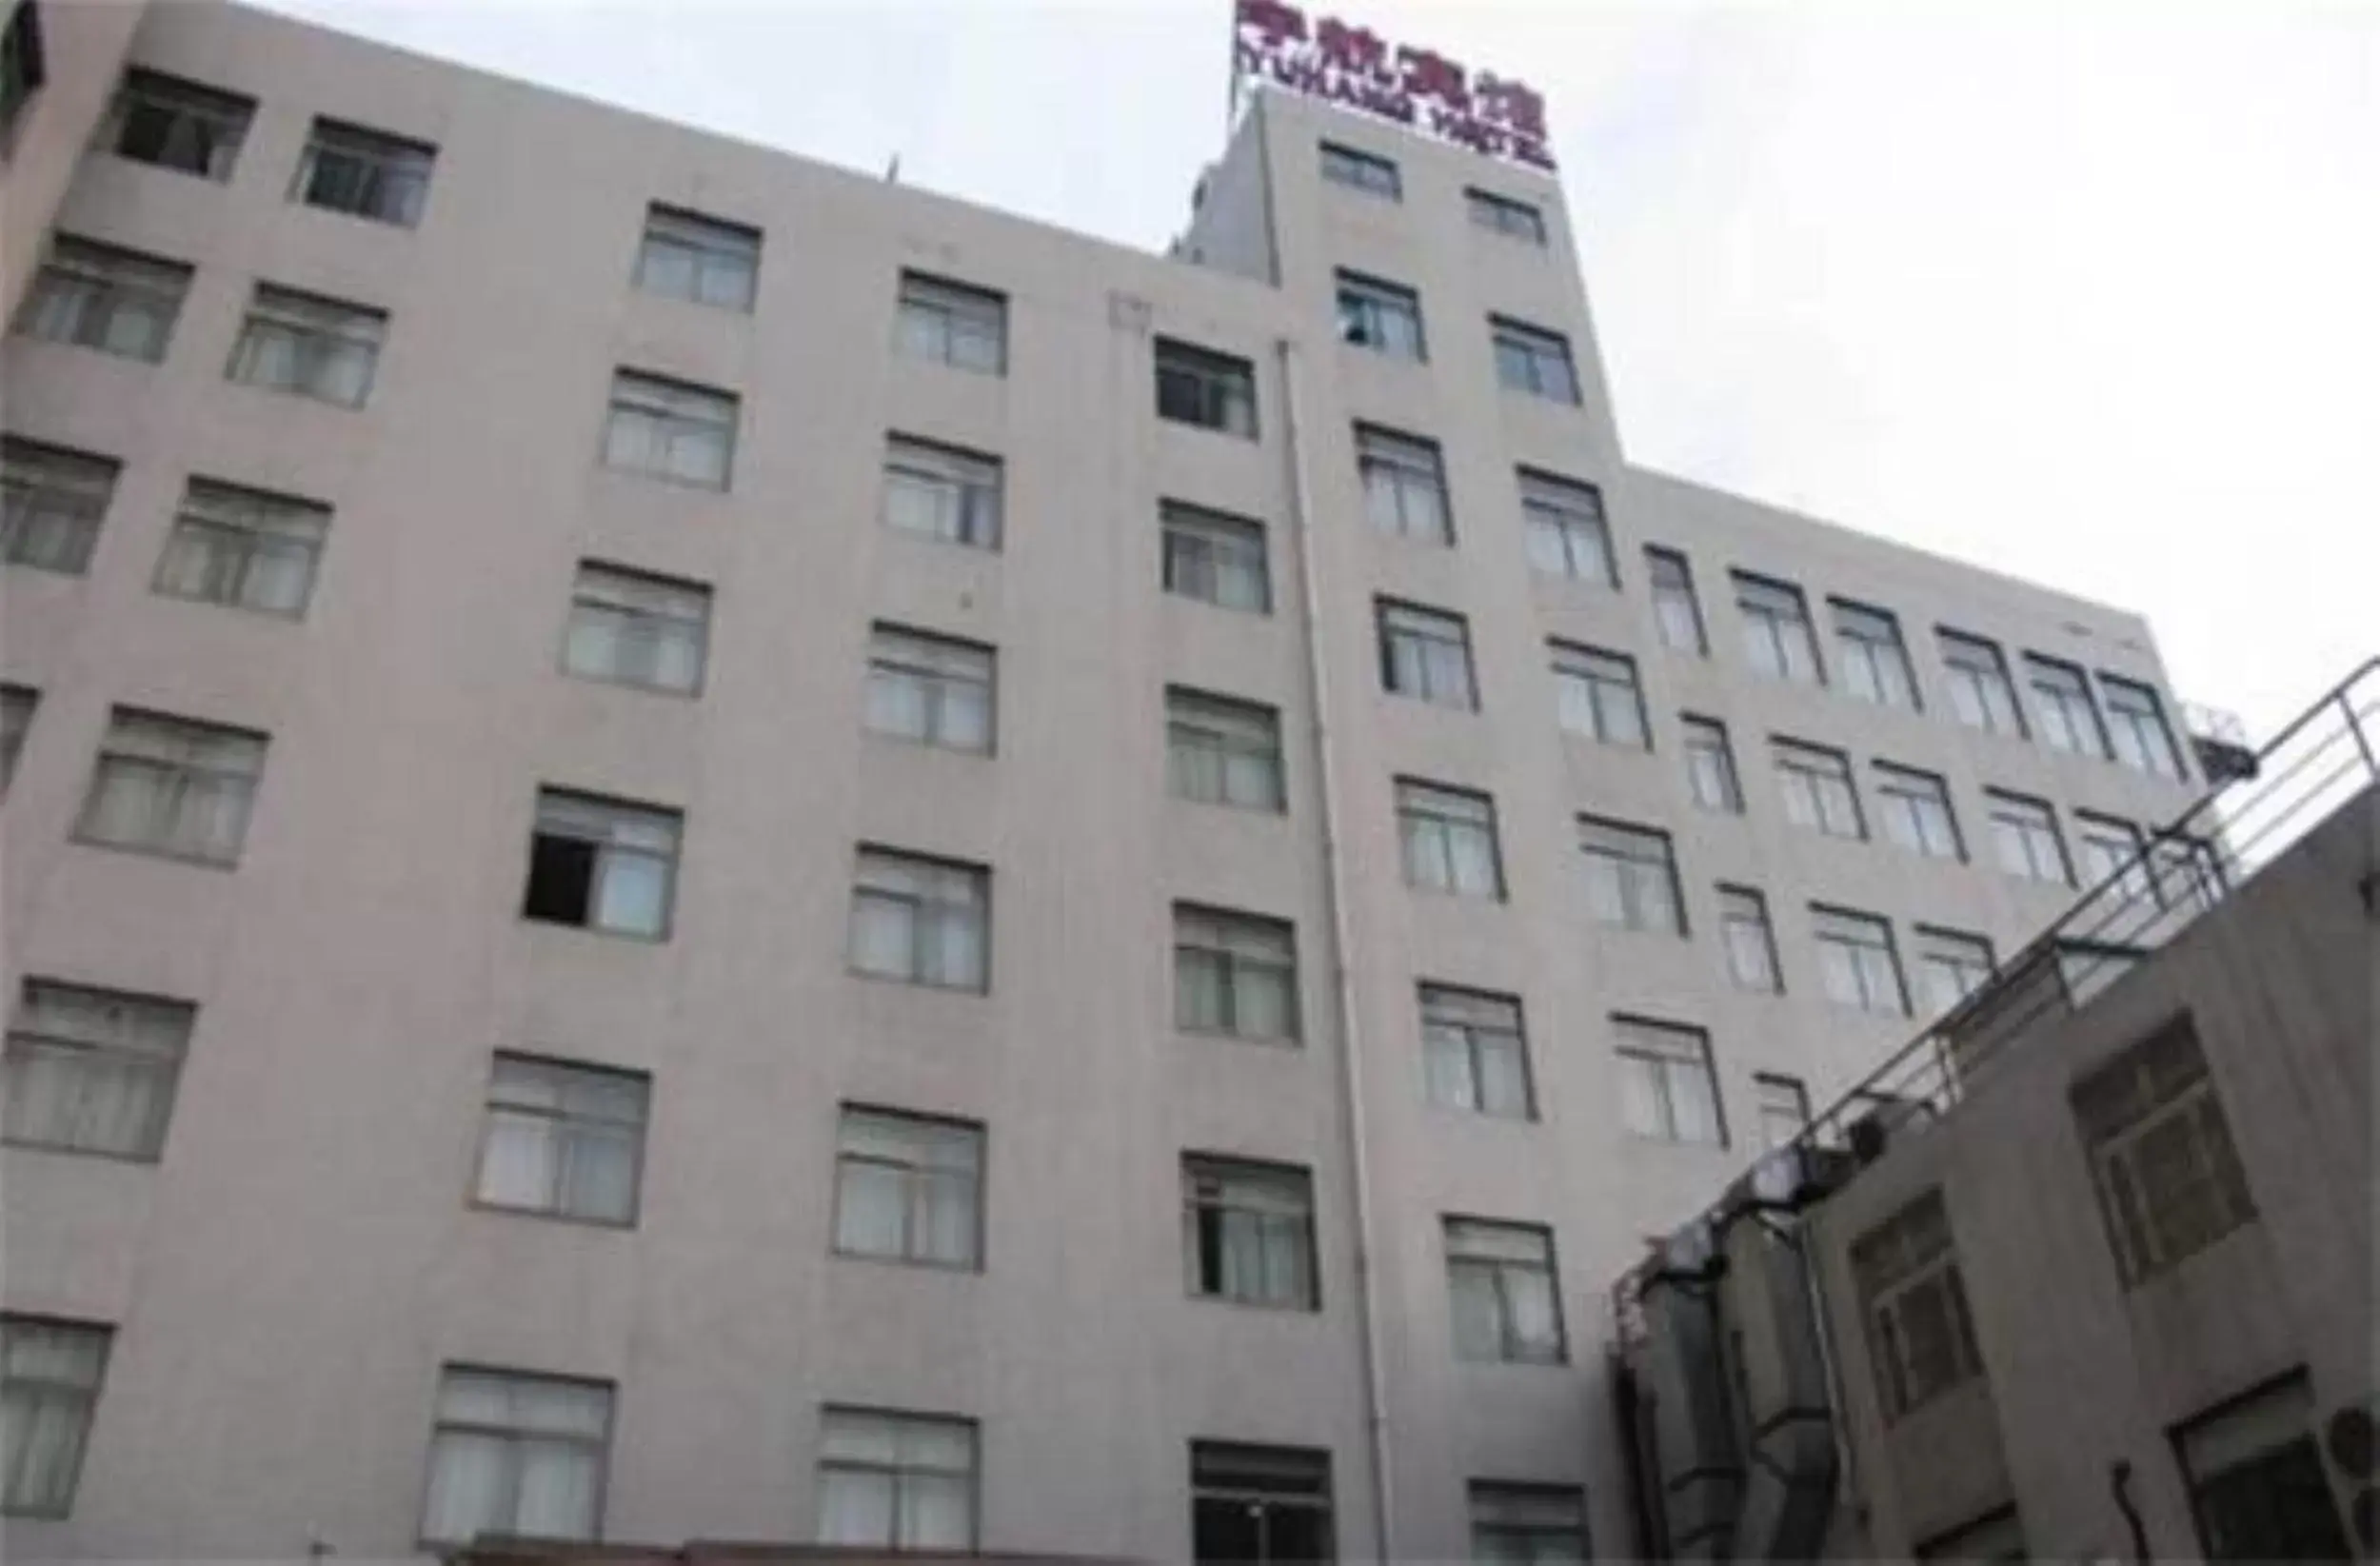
(562, 879)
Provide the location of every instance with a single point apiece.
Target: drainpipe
(1342, 972)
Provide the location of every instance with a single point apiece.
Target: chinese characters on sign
(1351, 66)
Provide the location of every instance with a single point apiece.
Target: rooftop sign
(1412, 86)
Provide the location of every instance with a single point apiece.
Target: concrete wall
(2079, 1372)
(287, 1282)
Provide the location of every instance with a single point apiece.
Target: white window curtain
(49, 1378)
(517, 1455)
(93, 1070)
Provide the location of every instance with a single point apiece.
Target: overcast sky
(2086, 293)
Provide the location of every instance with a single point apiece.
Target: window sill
(906, 1263)
(631, 936)
(22, 1145)
(1313, 1311)
(286, 617)
(626, 1225)
(647, 476)
(1199, 1038)
(898, 982)
(298, 394)
(640, 686)
(195, 860)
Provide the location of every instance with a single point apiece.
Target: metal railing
(2330, 754)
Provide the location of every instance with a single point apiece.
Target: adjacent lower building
(699, 847)
(2087, 1273)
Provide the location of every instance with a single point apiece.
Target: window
(921, 921)
(1385, 317)
(309, 347)
(1856, 957)
(1426, 654)
(1523, 1523)
(514, 1453)
(1567, 534)
(952, 323)
(2256, 1486)
(1219, 751)
(173, 123)
(1710, 766)
(50, 502)
(2189, 872)
(909, 1188)
(1631, 877)
(1599, 697)
(2169, 1179)
(601, 865)
(1980, 692)
(97, 296)
(1503, 216)
(172, 786)
(1951, 966)
(2111, 851)
(1676, 612)
(50, 1376)
(940, 492)
(1532, 360)
(1506, 1306)
(1919, 1335)
(564, 1140)
(1448, 836)
(1667, 1089)
(898, 1482)
(1215, 559)
(1404, 485)
(702, 260)
(1997, 1536)
(93, 1070)
(1749, 940)
(2069, 720)
(1235, 974)
(669, 429)
(1475, 1055)
(629, 629)
(1258, 1505)
(933, 690)
(1819, 793)
(2025, 837)
(2136, 722)
(1361, 171)
(243, 547)
(1784, 1106)
(1777, 637)
(1247, 1233)
(1872, 658)
(17, 705)
(23, 66)
(365, 173)
(1917, 810)
(1195, 387)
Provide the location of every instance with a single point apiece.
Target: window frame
(1223, 384)
(1511, 1349)
(1997, 803)
(2138, 730)
(1556, 514)
(1668, 575)
(1469, 1017)
(1391, 469)
(1624, 847)
(933, 315)
(2055, 702)
(1745, 909)
(19, 706)
(1825, 774)
(931, 663)
(1903, 794)
(1310, 1493)
(85, 1397)
(899, 1421)
(1236, 727)
(916, 1175)
(403, 162)
(216, 521)
(513, 1434)
(1772, 1091)
(317, 330)
(1663, 1050)
(1983, 690)
(552, 802)
(1229, 956)
(945, 873)
(976, 481)
(1776, 616)
(64, 490)
(1709, 738)
(1552, 368)
(1393, 618)
(710, 244)
(1938, 949)
(126, 1049)
(1863, 939)
(1429, 812)
(1353, 169)
(1871, 656)
(1290, 1184)
(2137, 1196)
(1380, 316)
(1217, 533)
(639, 621)
(171, 730)
(104, 281)
(1600, 679)
(673, 410)
(565, 1122)
(1504, 215)
(1897, 1261)
(179, 99)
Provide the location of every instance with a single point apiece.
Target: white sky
(2089, 294)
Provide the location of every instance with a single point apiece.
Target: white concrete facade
(285, 1282)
